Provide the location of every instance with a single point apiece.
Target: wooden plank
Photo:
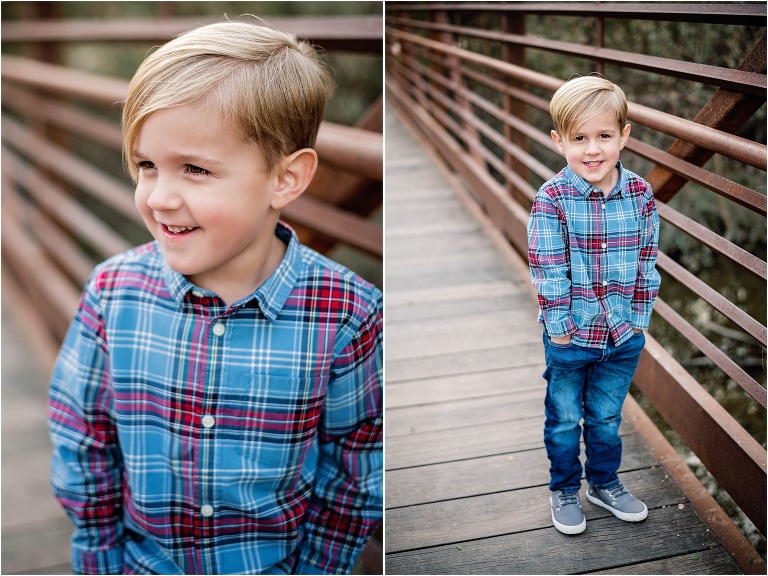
(462, 386)
(490, 515)
(487, 475)
(37, 548)
(712, 561)
(471, 442)
(460, 293)
(35, 530)
(462, 333)
(667, 532)
(499, 358)
(464, 412)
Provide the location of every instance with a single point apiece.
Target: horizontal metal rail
(741, 149)
(351, 149)
(739, 80)
(747, 14)
(333, 33)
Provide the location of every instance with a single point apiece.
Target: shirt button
(208, 421)
(605, 282)
(610, 315)
(219, 329)
(603, 206)
(197, 294)
(206, 510)
(604, 245)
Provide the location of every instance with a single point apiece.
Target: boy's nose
(592, 147)
(163, 197)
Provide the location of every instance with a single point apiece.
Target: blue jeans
(589, 384)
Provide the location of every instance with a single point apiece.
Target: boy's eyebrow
(189, 158)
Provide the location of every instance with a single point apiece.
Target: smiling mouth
(179, 229)
(593, 164)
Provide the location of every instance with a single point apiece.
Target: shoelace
(617, 492)
(566, 499)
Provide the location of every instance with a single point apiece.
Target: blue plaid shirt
(593, 257)
(195, 438)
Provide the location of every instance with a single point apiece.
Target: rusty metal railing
(458, 72)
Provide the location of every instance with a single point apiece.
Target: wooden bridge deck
(466, 469)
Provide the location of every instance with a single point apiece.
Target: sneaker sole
(626, 516)
(565, 529)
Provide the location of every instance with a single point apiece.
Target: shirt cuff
(87, 561)
(640, 321)
(562, 328)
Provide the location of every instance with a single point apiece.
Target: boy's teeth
(592, 163)
(179, 229)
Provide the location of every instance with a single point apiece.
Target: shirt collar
(586, 188)
(270, 296)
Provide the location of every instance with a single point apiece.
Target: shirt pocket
(624, 241)
(274, 422)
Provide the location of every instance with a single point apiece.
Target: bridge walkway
(466, 468)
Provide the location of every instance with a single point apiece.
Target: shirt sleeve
(648, 278)
(347, 500)
(549, 264)
(86, 468)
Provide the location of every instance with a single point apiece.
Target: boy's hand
(564, 340)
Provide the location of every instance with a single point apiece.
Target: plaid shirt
(192, 438)
(593, 258)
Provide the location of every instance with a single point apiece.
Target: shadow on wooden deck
(467, 473)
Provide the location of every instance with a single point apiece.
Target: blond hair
(269, 85)
(584, 97)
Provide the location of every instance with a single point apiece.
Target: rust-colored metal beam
(730, 454)
(351, 149)
(704, 235)
(727, 111)
(733, 370)
(732, 146)
(737, 545)
(333, 33)
(752, 82)
(747, 14)
(713, 297)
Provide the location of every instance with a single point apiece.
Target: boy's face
(206, 196)
(592, 151)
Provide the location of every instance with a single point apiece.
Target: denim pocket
(563, 346)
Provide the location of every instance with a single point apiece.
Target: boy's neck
(233, 287)
(614, 180)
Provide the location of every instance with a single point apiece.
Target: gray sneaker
(619, 502)
(567, 515)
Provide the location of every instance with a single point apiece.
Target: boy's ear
(558, 141)
(625, 135)
(295, 174)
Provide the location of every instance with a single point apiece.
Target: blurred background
(67, 201)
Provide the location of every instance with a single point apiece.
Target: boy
(592, 246)
(216, 404)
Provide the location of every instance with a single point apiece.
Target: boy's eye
(145, 165)
(196, 170)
